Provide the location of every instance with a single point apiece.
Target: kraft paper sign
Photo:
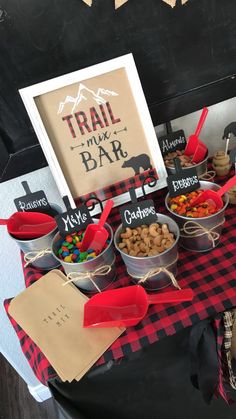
(92, 126)
(52, 315)
(96, 131)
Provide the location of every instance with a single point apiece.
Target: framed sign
(96, 131)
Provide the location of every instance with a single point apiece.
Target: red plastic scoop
(29, 225)
(194, 146)
(95, 235)
(200, 153)
(126, 306)
(215, 196)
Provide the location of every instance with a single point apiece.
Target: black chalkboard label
(229, 129)
(73, 220)
(134, 215)
(172, 142)
(183, 182)
(36, 201)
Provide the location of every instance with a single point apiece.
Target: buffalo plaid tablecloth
(211, 275)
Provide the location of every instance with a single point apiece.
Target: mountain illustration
(84, 93)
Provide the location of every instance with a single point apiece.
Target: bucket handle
(151, 181)
(93, 198)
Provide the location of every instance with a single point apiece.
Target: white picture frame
(126, 62)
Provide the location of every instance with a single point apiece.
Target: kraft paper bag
(52, 315)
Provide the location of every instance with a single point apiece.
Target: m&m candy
(69, 249)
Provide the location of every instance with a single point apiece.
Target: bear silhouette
(138, 162)
(230, 129)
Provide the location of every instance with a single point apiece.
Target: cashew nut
(165, 229)
(144, 232)
(146, 240)
(168, 244)
(127, 234)
(143, 247)
(141, 254)
(122, 245)
(153, 229)
(133, 253)
(160, 249)
(157, 240)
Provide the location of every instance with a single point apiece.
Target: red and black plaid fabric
(218, 326)
(211, 275)
(118, 188)
(222, 388)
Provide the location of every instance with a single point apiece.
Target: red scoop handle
(171, 297)
(231, 182)
(3, 221)
(201, 121)
(106, 212)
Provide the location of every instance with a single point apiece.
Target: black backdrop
(186, 57)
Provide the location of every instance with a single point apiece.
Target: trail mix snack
(69, 249)
(146, 240)
(181, 204)
(185, 161)
(221, 163)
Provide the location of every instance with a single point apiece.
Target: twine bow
(31, 257)
(209, 175)
(194, 229)
(157, 271)
(77, 276)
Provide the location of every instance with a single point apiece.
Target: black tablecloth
(153, 383)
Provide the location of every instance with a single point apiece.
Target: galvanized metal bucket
(94, 275)
(33, 246)
(200, 167)
(139, 267)
(206, 236)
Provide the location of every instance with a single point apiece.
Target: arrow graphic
(121, 130)
(80, 145)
